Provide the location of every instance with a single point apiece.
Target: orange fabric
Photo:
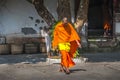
(107, 26)
(63, 34)
(73, 48)
(66, 59)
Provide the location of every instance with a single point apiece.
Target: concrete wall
(14, 15)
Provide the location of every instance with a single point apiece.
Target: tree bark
(82, 14)
(82, 18)
(43, 12)
(63, 9)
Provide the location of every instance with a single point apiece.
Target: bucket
(16, 48)
(31, 48)
(4, 49)
(42, 47)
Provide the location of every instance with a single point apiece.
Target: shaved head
(65, 20)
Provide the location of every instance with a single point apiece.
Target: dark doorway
(99, 12)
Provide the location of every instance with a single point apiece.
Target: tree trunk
(43, 12)
(82, 14)
(63, 9)
(82, 18)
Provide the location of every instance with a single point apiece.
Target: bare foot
(61, 69)
(67, 71)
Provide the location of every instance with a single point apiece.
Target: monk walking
(66, 39)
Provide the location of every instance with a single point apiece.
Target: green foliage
(77, 54)
(53, 27)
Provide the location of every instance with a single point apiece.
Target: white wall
(117, 28)
(14, 15)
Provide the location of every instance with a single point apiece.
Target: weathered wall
(14, 15)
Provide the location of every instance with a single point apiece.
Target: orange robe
(107, 26)
(63, 34)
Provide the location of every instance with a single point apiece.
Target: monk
(107, 29)
(66, 39)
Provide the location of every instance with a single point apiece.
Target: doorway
(100, 12)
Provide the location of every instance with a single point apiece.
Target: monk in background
(66, 39)
(107, 29)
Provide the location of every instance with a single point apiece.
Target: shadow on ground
(24, 58)
(76, 70)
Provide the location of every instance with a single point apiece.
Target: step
(57, 60)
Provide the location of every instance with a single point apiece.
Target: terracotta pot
(42, 48)
(4, 49)
(31, 48)
(16, 48)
